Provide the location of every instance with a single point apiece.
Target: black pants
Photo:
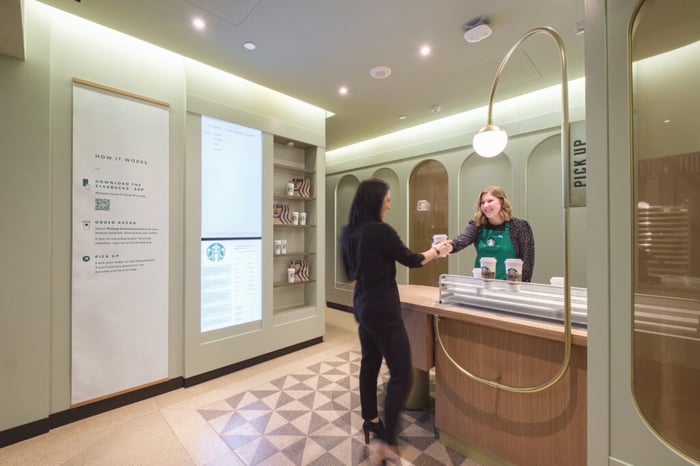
(383, 335)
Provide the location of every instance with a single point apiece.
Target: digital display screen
(231, 239)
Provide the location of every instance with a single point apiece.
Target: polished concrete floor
(299, 409)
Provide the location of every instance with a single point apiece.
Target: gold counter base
(419, 397)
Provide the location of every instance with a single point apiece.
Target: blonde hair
(500, 194)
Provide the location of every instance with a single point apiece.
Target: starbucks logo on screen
(216, 252)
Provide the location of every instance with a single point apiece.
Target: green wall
(35, 187)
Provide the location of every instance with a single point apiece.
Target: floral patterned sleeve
(468, 236)
(524, 243)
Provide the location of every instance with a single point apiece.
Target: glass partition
(666, 164)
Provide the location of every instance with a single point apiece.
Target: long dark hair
(367, 204)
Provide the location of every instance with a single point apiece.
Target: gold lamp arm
(566, 168)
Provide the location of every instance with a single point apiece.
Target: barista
(496, 233)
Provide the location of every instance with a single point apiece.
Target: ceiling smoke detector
(477, 30)
(380, 72)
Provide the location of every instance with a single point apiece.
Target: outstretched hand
(444, 248)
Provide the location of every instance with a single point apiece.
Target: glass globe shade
(490, 141)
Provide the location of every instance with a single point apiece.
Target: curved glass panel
(427, 207)
(666, 160)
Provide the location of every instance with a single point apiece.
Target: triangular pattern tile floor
(312, 417)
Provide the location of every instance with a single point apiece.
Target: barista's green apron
(494, 243)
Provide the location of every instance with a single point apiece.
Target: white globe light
(490, 141)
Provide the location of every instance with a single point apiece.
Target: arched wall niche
(393, 216)
(428, 215)
(475, 174)
(344, 194)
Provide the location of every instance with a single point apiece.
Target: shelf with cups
(285, 197)
(287, 283)
(287, 255)
(296, 287)
(281, 167)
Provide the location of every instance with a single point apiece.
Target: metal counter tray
(534, 300)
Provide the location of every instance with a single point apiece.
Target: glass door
(652, 274)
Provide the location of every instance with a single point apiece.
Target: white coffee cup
(278, 246)
(439, 238)
(291, 273)
(488, 267)
(295, 218)
(290, 189)
(302, 218)
(476, 272)
(284, 247)
(514, 270)
(556, 281)
(514, 273)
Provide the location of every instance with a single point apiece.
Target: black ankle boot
(375, 427)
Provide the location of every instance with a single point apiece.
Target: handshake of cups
(442, 245)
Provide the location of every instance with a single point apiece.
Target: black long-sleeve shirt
(371, 251)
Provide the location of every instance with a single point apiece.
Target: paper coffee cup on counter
(514, 273)
(556, 281)
(476, 272)
(514, 270)
(488, 267)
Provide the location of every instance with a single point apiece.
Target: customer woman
(370, 249)
(496, 233)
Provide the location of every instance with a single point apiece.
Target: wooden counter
(490, 425)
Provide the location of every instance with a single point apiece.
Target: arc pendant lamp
(490, 141)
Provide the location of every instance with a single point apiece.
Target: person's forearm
(430, 254)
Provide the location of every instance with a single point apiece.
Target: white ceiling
(308, 48)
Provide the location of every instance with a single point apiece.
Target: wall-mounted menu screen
(231, 180)
(231, 249)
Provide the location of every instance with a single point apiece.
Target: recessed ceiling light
(380, 72)
(667, 121)
(199, 23)
(343, 90)
(249, 46)
(402, 117)
(425, 50)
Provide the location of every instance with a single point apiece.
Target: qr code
(101, 204)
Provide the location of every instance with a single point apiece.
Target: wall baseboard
(42, 426)
(340, 307)
(199, 378)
